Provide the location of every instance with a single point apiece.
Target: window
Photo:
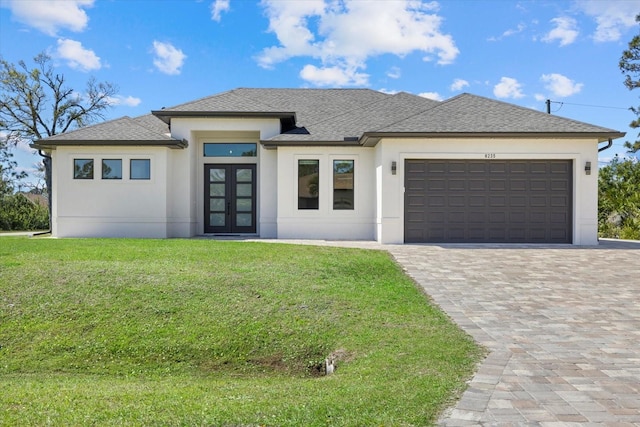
(308, 174)
(111, 169)
(140, 169)
(343, 184)
(82, 168)
(230, 150)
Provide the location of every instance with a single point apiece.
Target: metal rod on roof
(548, 106)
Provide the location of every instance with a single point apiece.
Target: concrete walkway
(562, 325)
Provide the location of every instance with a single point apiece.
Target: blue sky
(166, 52)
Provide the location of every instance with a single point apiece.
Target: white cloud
(129, 101)
(23, 145)
(168, 59)
(77, 56)
(217, 7)
(458, 84)
(565, 31)
(540, 97)
(560, 86)
(508, 88)
(508, 33)
(330, 76)
(52, 15)
(431, 95)
(612, 17)
(347, 33)
(394, 73)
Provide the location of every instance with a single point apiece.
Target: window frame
(92, 172)
(252, 153)
(334, 163)
(315, 207)
(112, 178)
(148, 177)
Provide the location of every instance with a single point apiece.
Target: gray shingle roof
(468, 113)
(365, 117)
(143, 130)
(336, 116)
(308, 105)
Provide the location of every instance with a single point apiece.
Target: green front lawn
(202, 332)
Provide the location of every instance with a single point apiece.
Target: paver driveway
(562, 324)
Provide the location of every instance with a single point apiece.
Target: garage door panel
(436, 184)
(497, 184)
(457, 217)
(477, 201)
(559, 201)
(538, 201)
(457, 201)
(517, 201)
(497, 167)
(497, 201)
(497, 217)
(537, 217)
(457, 185)
(562, 168)
(477, 185)
(518, 184)
(477, 218)
(516, 167)
(457, 167)
(538, 167)
(436, 201)
(477, 167)
(488, 201)
(558, 185)
(538, 185)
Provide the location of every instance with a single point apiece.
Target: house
(332, 164)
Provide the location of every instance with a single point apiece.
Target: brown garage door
(493, 201)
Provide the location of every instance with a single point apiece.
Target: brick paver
(562, 325)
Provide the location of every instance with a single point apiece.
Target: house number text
(490, 156)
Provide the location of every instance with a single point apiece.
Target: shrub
(17, 212)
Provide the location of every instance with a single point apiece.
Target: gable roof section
(468, 114)
(144, 130)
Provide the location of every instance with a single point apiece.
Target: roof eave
(297, 143)
(370, 139)
(167, 115)
(51, 145)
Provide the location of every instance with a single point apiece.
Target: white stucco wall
(390, 191)
(105, 207)
(171, 203)
(325, 222)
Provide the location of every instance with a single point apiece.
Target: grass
(201, 332)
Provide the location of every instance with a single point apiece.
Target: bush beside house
(23, 211)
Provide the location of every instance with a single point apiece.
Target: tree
(8, 173)
(36, 103)
(619, 199)
(630, 67)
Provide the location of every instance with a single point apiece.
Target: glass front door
(230, 198)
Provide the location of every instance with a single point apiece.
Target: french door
(230, 198)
